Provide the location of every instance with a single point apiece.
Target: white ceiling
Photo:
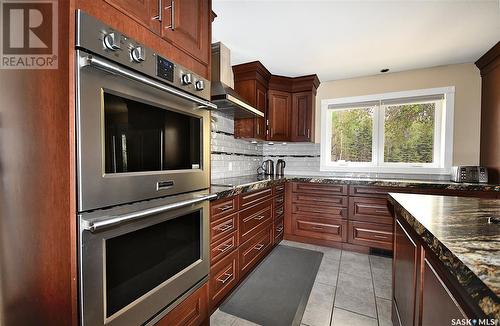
(345, 39)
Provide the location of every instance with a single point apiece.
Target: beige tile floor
(350, 289)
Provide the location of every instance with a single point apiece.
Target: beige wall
(465, 78)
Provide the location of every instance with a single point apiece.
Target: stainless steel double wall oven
(143, 155)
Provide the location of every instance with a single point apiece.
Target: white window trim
(443, 134)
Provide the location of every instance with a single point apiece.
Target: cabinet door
(143, 11)
(405, 275)
(186, 24)
(278, 115)
(301, 115)
(436, 294)
(261, 105)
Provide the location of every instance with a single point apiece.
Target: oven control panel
(100, 39)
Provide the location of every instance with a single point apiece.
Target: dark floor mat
(276, 292)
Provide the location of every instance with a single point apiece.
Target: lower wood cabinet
(224, 275)
(370, 235)
(318, 228)
(405, 263)
(254, 249)
(436, 294)
(193, 311)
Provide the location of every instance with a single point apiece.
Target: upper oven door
(136, 141)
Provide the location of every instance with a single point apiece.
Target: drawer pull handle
(380, 211)
(379, 236)
(279, 188)
(225, 248)
(279, 211)
(317, 227)
(225, 208)
(259, 217)
(225, 227)
(259, 247)
(225, 279)
(279, 229)
(279, 199)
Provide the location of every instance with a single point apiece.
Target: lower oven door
(133, 267)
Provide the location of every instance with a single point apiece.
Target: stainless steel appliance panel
(132, 269)
(99, 188)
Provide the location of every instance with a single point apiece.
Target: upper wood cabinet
(179, 30)
(143, 11)
(302, 114)
(251, 81)
(185, 23)
(280, 105)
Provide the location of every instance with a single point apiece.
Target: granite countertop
(228, 187)
(459, 232)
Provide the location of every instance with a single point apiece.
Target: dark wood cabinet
(280, 104)
(370, 234)
(302, 117)
(145, 12)
(193, 311)
(186, 25)
(436, 294)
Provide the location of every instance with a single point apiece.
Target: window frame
(443, 135)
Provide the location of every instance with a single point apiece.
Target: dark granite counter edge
(479, 293)
(224, 192)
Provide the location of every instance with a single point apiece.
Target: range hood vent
(222, 93)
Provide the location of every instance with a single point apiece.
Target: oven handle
(108, 221)
(110, 67)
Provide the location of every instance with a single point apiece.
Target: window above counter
(398, 132)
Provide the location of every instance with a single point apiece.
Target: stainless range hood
(222, 93)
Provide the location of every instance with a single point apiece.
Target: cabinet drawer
(192, 311)
(252, 198)
(323, 200)
(279, 211)
(223, 226)
(279, 200)
(279, 189)
(320, 211)
(373, 210)
(223, 277)
(223, 207)
(278, 230)
(223, 247)
(311, 227)
(254, 219)
(320, 188)
(370, 234)
(254, 249)
(370, 191)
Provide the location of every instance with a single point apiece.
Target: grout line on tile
(373, 286)
(336, 287)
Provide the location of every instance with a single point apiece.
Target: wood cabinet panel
(325, 229)
(279, 189)
(280, 104)
(279, 200)
(254, 249)
(186, 24)
(252, 198)
(436, 294)
(193, 311)
(369, 210)
(254, 219)
(223, 207)
(320, 211)
(302, 117)
(319, 188)
(370, 234)
(223, 277)
(223, 226)
(314, 199)
(405, 264)
(142, 11)
(279, 212)
(221, 248)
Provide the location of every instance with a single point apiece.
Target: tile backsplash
(233, 157)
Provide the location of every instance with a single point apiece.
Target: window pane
(409, 133)
(352, 135)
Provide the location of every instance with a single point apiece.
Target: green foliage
(408, 134)
(352, 135)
